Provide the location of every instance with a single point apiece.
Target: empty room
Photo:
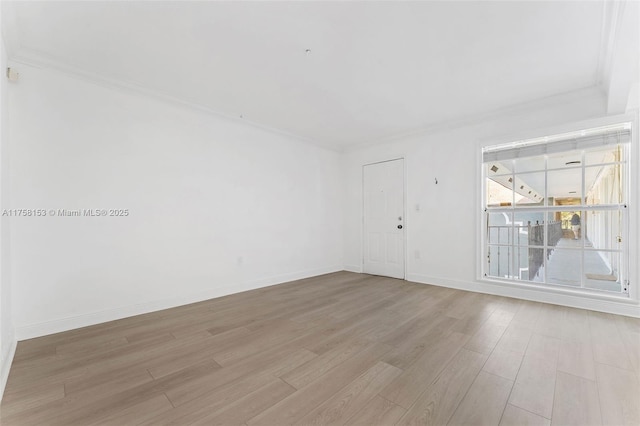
(280, 213)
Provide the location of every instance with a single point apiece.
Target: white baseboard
(622, 307)
(64, 324)
(353, 268)
(5, 368)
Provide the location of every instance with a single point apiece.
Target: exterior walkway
(564, 267)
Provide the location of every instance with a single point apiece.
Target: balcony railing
(531, 236)
(536, 238)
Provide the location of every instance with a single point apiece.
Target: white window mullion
(547, 161)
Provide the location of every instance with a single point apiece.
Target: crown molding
(611, 17)
(594, 91)
(33, 58)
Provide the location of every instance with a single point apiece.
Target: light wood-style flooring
(339, 349)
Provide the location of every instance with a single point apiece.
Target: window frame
(631, 224)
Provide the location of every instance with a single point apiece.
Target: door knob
(399, 226)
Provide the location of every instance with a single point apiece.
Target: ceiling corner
(619, 52)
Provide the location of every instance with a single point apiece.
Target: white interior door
(384, 218)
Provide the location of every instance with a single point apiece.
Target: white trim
(6, 365)
(574, 96)
(64, 324)
(536, 294)
(39, 60)
(532, 133)
(353, 268)
(633, 269)
(611, 14)
(405, 234)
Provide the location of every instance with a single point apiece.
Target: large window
(555, 210)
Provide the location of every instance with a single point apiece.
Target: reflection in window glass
(604, 184)
(499, 228)
(530, 228)
(498, 194)
(603, 229)
(602, 270)
(603, 155)
(565, 184)
(533, 260)
(529, 164)
(499, 261)
(529, 189)
(498, 168)
(564, 159)
(564, 267)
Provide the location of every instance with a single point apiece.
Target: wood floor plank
(515, 416)
(248, 406)
(412, 347)
(618, 391)
(110, 382)
(377, 412)
(137, 413)
(414, 380)
(504, 363)
(437, 404)
(484, 402)
(576, 401)
(629, 329)
(535, 383)
(549, 322)
(608, 347)
(317, 367)
(271, 364)
(30, 398)
(515, 338)
(342, 348)
(338, 409)
(528, 314)
(577, 358)
(94, 408)
(486, 338)
(575, 326)
(295, 407)
(212, 396)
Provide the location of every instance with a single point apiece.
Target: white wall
(216, 206)
(7, 335)
(442, 238)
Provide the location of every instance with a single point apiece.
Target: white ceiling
(376, 69)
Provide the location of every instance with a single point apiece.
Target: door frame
(404, 210)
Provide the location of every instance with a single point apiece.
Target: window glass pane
(499, 228)
(530, 262)
(602, 270)
(564, 159)
(499, 261)
(564, 267)
(499, 192)
(528, 164)
(579, 246)
(606, 154)
(566, 225)
(499, 168)
(529, 189)
(529, 228)
(604, 184)
(564, 186)
(603, 230)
